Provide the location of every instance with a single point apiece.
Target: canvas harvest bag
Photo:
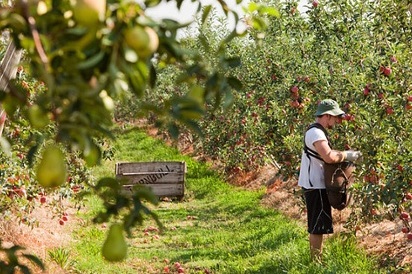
(338, 176)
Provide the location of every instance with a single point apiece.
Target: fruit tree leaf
(92, 61)
(233, 62)
(234, 83)
(206, 12)
(35, 260)
(108, 182)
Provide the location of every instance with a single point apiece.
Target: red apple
(177, 265)
(166, 269)
(389, 110)
(315, 3)
(366, 91)
(408, 196)
(409, 236)
(180, 270)
(295, 103)
(42, 199)
(405, 229)
(387, 71)
(294, 89)
(404, 215)
(61, 222)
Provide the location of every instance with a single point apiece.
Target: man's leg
(315, 241)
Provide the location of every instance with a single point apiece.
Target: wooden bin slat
(137, 167)
(162, 190)
(166, 179)
(160, 178)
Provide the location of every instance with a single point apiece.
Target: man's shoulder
(316, 134)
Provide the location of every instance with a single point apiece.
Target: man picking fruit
(317, 152)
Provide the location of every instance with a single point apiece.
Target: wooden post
(8, 70)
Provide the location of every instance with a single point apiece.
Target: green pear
(52, 169)
(143, 40)
(115, 247)
(37, 117)
(89, 12)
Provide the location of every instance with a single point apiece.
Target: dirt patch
(48, 234)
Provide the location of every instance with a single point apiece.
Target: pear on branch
(115, 247)
(52, 169)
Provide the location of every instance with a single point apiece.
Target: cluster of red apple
(177, 266)
(296, 101)
(404, 216)
(63, 219)
(408, 104)
(386, 70)
(151, 230)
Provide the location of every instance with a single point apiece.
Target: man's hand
(352, 155)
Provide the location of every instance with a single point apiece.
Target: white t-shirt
(316, 166)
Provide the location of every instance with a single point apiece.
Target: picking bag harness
(337, 176)
(310, 152)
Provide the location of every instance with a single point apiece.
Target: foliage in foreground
(83, 55)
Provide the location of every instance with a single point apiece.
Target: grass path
(217, 228)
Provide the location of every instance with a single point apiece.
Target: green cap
(329, 106)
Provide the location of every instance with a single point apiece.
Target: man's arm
(329, 155)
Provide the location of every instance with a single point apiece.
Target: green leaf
(206, 12)
(91, 153)
(92, 61)
(173, 130)
(252, 7)
(234, 83)
(108, 182)
(143, 192)
(233, 62)
(151, 3)
(5, 146)
(197, 94)
(270, 11)
(35, 260)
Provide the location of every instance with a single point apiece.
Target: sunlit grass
(217, 227)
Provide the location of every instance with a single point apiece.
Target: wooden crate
(166, 179)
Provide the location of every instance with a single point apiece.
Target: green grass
(217, 227)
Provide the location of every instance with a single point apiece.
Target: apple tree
(355, 52)
(86, 56)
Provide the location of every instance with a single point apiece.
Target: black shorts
(319, 211)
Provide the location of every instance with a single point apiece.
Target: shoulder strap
(310, 152)
(319, 126)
